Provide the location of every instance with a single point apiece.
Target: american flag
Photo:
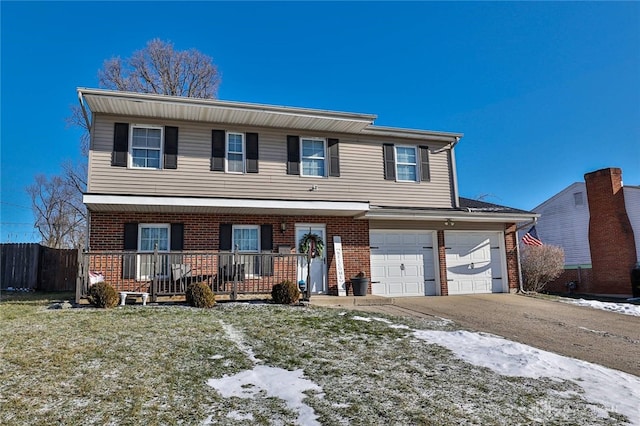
(531, 237)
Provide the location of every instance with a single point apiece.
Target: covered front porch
(166, 276)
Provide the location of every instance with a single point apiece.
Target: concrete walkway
(601, 337)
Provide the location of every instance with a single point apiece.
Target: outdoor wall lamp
(449, 222)
(283, 227)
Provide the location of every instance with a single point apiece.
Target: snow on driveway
(621, 308)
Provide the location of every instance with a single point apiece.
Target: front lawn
(255, 364)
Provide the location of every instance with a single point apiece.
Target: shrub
(540, 265)
(285, 293)
(102, 295)
(199, 295)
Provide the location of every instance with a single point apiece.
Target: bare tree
(59, 212)
(540, 265)
(158, 68)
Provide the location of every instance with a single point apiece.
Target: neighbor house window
(151, 236)
(146, 146)
(578, 198)
(406, 163)
(235, 153)
(314, 157)
(246, 238)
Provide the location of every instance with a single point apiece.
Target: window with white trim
(146, 146)
(406, 163)
(246, 238)
(151, 235)
(235, 153)
(313, 157)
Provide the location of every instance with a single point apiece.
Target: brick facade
(511, 249)
(201, 233)
(582, 277)
(611, 238)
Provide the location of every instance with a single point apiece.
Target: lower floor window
(246, 238)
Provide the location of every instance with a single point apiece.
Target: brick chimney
(611, 239)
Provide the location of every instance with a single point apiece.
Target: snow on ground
(621, 308)
(617, 391)
(275, 382)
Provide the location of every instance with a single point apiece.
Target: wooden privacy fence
(169, 274)
(35, 267)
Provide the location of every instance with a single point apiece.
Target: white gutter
(456, 216)
(141, 200)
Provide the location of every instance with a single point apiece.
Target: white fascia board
(135, 200)
(454, 216)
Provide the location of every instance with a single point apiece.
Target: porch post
(155, 278)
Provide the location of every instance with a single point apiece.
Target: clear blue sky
(544, 92)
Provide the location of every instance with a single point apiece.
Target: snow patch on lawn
(617, 391)
(286, 385)
(275, 382)
(621, 308)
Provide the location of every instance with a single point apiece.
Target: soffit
(215, 111)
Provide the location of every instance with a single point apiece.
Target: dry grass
(149, 365)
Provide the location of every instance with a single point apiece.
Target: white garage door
(474, 262)
(402, 263)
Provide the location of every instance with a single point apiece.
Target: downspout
(454, 173)
(84, 111)
(520, 285)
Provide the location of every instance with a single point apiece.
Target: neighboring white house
(632, 203)
(564, 222)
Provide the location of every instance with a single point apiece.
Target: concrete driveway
(593, 335)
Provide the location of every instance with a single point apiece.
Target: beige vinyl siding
(361, 169)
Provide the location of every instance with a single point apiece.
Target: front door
(319, 264)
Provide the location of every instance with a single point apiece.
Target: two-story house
(184, 174)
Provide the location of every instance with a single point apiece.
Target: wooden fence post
(80, 276)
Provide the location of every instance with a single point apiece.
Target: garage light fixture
(449, 222)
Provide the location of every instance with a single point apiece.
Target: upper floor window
(235, 152)
(246, 238)
(146, 146)
(406, 163)
(314, 156)
(578, 199)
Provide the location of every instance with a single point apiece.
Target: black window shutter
(170, 147)
(334, 157)
(425, 173)
(217, 150)
(177, 236)
(252, 153)
(225, 236)
(130, 243)
(266, 245)
(388, 154)
(131, 236)
(266, 237)
(293, 155)
(120, 145)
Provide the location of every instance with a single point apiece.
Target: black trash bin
(635, 280)
(360, 286)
